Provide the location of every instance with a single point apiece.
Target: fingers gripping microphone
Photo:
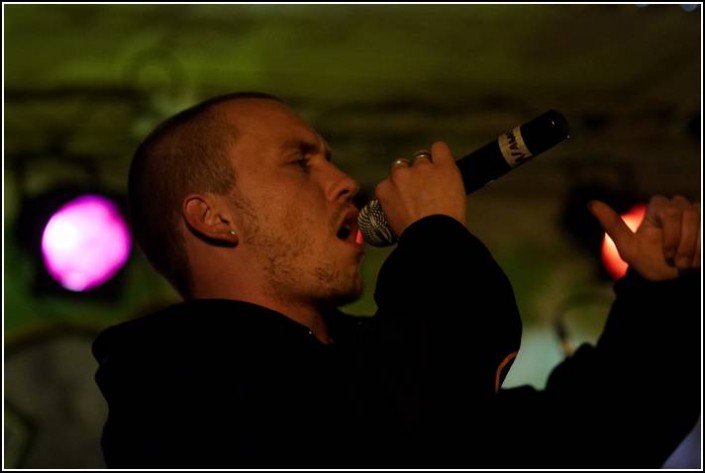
(508, 151)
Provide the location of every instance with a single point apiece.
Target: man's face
(295, 212)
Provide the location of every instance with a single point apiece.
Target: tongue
(359, 238)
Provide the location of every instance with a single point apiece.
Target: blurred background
(84, 83)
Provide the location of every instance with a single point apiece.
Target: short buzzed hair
(186, 153)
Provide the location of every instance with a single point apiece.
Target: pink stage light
(85, 243)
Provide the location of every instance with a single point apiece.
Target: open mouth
(348, 230)
(344, 232)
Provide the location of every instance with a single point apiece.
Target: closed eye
(303, 163)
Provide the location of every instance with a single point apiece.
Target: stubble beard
(286, 260)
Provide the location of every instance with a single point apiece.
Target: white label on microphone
(513, 148)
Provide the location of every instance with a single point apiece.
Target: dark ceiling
(85, 82)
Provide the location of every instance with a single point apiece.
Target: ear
(208, 217)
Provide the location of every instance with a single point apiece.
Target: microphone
(482, 166)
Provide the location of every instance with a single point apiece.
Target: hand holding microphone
(429, 184)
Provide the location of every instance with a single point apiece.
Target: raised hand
(666, 243)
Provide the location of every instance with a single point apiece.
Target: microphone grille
(374, 225)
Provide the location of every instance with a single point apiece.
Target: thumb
(442, 153)
(612, 223)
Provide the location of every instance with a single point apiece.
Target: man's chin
(347, 296)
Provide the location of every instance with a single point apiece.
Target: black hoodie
(227, 384)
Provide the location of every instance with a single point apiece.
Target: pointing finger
(613, 224)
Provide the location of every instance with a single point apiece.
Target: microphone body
(479, 168)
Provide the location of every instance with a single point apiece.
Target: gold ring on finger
(400, 162)
(424, 153)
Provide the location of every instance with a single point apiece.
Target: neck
(225, 283)
(305, 315)
(319, 329)
(308, 316)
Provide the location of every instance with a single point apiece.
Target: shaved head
(186, 153)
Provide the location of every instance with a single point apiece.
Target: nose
(343, 187)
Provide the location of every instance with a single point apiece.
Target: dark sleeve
(447, 321)
(628, 401)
